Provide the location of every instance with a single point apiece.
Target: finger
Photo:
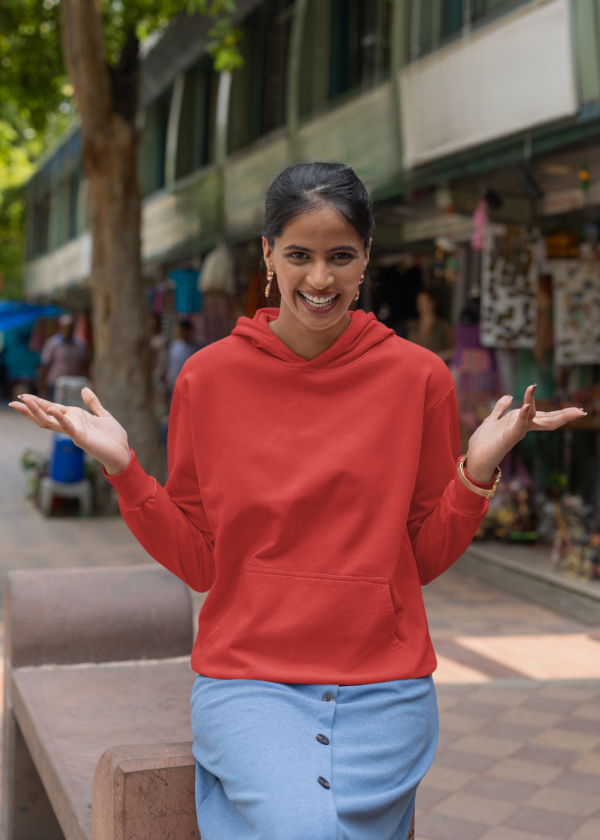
(560, 412)
(66, 425)
(58, 412)
(30, 399)
(503, 404)
(92, 402)
(556, 419)
(21, 408)
(529, 399)
(40, 418)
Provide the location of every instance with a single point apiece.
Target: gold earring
(357, 295)
(362, 277)
(270, 276)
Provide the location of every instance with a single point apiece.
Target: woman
(428, 330)
(313, 489)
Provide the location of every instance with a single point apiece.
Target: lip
(318, 310)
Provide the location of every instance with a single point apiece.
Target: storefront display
(509, 283)
(576, 285)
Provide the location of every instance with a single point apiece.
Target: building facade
(413, 93)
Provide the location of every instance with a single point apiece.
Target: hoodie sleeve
(170, 521)
(444, 514)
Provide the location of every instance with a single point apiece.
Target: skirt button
(323, 739)
(323, 782)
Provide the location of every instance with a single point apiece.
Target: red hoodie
(313, 499)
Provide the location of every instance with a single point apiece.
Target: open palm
(503, 429)
(99, 434)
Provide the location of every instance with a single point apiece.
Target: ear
(267, 252)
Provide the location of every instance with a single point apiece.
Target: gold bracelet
(487, 494)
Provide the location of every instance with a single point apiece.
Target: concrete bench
(96, 716)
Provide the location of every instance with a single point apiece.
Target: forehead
(324, 227)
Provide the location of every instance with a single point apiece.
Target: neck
(301, 340)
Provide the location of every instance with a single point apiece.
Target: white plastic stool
(81, 490)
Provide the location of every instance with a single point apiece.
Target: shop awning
(14, 314)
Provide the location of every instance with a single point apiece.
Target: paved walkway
(518, 685)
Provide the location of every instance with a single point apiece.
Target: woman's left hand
(501, 431)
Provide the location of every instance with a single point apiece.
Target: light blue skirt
(280, 761)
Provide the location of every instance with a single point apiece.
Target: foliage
(32, 459)
(36, 97)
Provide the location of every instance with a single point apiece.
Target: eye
(343, 255)
(298, 255)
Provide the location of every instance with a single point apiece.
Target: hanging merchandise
(218, 272)
(187, 295)
(576, 286)
(480, 221)
(561, 245)
(509, 288)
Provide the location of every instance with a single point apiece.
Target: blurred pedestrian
(158, 348)
(179, 352)
(429, 330)
(63, 354)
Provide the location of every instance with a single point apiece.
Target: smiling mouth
(319, 301)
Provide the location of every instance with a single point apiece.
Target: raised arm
(444, 514)
(170, 522)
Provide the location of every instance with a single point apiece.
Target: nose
(320, 277)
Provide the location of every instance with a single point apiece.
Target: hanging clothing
(313, 498)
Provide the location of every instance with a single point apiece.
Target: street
(518, 685)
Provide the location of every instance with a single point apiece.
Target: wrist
(482, 473)
(115, 468)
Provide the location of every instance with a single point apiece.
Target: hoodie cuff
(133, 485)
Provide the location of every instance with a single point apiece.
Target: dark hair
(307, 186)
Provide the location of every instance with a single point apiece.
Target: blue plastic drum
(66, 461)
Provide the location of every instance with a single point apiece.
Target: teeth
(321, 302)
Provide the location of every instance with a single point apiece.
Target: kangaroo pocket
(307, 624)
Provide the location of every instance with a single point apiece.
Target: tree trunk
(106, 100)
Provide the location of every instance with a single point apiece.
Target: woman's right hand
(99, 434)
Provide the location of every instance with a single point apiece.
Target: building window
(346, 49)
(151, 161)
(40, 226)
(258, 90)
(433, 23)
(360, 44)
(195, 140)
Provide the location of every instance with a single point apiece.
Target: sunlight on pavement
(567, 657)
(450, 672)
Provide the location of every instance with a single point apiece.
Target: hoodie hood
(363, 333)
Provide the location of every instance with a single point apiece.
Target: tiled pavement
(517, 760)
(518, 686)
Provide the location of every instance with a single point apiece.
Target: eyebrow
(310, 251)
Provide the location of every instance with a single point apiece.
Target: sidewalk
(519, 697)
(527, 571)
(29, 540)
